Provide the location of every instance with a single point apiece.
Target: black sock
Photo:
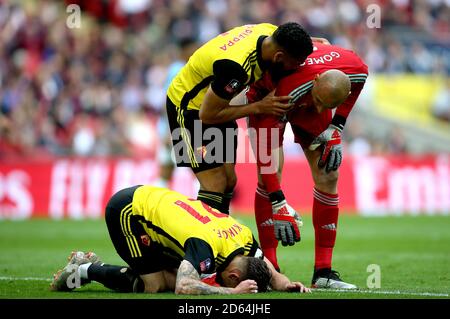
(213, 199)
(119, 278)
(226, 203)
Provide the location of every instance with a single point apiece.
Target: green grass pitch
(413, 253)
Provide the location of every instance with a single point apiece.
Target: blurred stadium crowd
(100, 89)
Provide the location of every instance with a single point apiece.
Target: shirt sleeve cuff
(339, 121)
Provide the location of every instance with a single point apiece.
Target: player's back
(171, 218)
(324, 57)
(238, 45)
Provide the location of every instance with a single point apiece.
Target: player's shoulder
(350, 54)
(265, 26)
(343, 58)
(155, 192)
(256, 25)
(238, 33)
(300, 80)
(320, 49)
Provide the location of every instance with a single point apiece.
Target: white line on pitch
(384, 292)
(24, 279)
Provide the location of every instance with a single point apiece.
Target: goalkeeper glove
(286, 220)
(332, 151)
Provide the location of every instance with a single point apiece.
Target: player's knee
(152, 289)
(231, 183)
(322, 178)
(219, 184)
(214, 182)
(153, 284)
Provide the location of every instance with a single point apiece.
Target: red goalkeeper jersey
(304, 119)
(299, 84)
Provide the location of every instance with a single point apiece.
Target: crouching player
(331, 78)
(169, 241)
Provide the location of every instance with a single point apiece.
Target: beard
(219, 279)
(277, 71)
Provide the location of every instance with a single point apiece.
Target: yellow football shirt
(190, 229)
(228, 62)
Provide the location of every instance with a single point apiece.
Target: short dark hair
(258, 271)
(294, 39)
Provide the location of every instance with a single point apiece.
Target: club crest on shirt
(205, 264)
(145, 239)
(232, 86)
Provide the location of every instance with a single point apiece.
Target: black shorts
(197, 145)
(130, 239)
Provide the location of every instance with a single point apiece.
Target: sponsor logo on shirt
(145, 239)
(232, 86)
(205, 264)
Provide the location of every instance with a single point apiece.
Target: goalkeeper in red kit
(324, 89)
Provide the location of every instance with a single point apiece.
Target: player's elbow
(182, 287)
(152, 289)
(179, 290)
(206, 117)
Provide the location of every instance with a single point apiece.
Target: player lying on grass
(331, 78)
(169, 241)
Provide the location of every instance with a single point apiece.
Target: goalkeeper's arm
(269, 174)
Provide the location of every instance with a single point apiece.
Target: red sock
(325, 217)
(266, 233)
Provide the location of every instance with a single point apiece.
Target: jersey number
(191, 210)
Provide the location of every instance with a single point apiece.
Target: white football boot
(329, 279)
(76, 258)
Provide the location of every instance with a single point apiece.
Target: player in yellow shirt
(201, 119)
(169, 241)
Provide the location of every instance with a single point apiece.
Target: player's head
(187, 47)
(287, 48)
(242, 268)
(330, 89)
(293, 42)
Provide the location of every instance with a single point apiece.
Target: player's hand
(297, 287)
(331, 156)
(246, 287)
(286, 220)
(274, 105)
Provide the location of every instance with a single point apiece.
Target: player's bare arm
(280, 282)
(216, 110)
(188, 283)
